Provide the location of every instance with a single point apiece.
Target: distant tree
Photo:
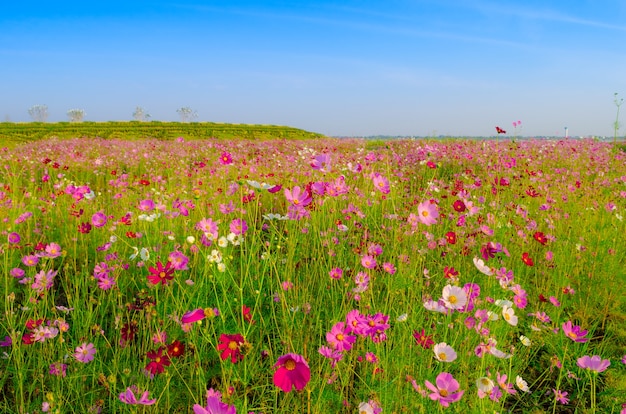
(76, 115)
(39, 113)
(140, 114)
(187, 114)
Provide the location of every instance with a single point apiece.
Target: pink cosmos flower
(298, 197)
(339, 337)
(292, 371)
(321, 162)
(128, 397)
(146, 205)
(30, 260)
(381, 183)
(389, 268)
(214, 405)
(574, 332)
(99, 219)
(85, 352)
(368, 262)
(561, 396)
(179, 260)
(208, 226)
(238, 226)
(445, 391)
(336, 273)
(427, 212)
(594, 363)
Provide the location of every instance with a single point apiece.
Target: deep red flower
(450, 272)
(161, 274)
(84, 228)
(144, 182)
(230, 345)
(176, 349)
(459, 206)
(540, 237)
(131, 234)
(158, 361)
(532, 192)
(528, 261)
(451, 237)
(128, 332)
(246, 313)
(423, 340)
(500, 130)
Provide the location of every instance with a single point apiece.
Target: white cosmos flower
(482, 267)
(509, 315)
(222, 242)
(454, 297)
(402, 317)
(144, 254)
(444, 352)
(485, 384)
(433, 306)
(504, 302)
(521, 384)
(525, 340)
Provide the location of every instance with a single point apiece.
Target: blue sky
(351, 68)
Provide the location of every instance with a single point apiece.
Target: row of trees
(39, 113)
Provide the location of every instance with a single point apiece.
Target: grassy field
(32, 131)
(312, 276)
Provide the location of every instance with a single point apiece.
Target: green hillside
(12, 133)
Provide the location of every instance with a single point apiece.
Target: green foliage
(13, 133)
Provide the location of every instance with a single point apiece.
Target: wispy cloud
(544, 14)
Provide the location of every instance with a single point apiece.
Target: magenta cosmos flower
(14, 238)
(574, 332)
(427, 212)
(594, 363)
(444, 392)
(214, 405)
(292, 371)
(193, 316)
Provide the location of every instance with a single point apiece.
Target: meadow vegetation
(32, 131)
(312, 276)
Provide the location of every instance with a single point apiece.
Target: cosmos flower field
(312, 276)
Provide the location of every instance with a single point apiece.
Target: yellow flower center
(442, 356)
(452, 299)
(443, 393)
(162, 275)
(425, 213)
(290, 364)
(233, 345)
(340, 337)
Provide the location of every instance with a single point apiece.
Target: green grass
(572, 192)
